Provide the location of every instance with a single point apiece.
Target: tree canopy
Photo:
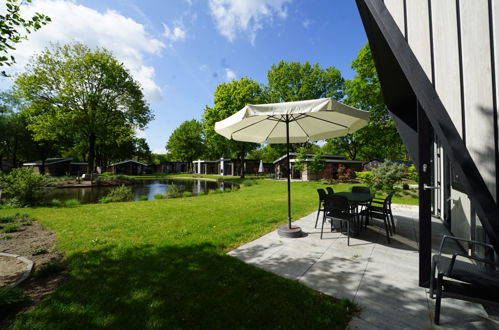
(229, 98)
(14, 28)
(186, 142)
(82, 94)
(380, 138)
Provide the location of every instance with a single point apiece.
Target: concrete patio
(381, 278)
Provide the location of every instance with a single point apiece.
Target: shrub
(187, 194)
(405, 186)
(235, 188)
(227, 190)
(23, 186)
(412, 173)
(247, 183)
(387, 175)
(120, 194)
(173, 191)
(10, 297)
(143, 198)
(365, 177)
(159, 196)
(7, 218)
(71, 203)
(55, 203)
(345, 174)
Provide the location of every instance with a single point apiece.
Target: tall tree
(229, 98)
(186, 142)
(294, 81)
(84, 94)
(380, 138)
(14, 28)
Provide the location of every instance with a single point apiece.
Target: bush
(23, 186)
(345, 174)
(412, 173)
(10, 228)
(49, 270)
(387, 175)
(143, 198)
(72, 203)
(159, 196)
(405, 186)
(173, 191)
(120, 194)
(365, 177)
(10, 297)
(247, 183)
(55, 203)
(187, 194)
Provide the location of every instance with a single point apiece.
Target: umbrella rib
(258, 122)
(327, 121)
(273, 128)
(308, 136)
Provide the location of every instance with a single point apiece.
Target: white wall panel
(418, 33)
(396, 9)
(446, 58)
(478, 87)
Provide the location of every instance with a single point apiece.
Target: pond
(147, 188)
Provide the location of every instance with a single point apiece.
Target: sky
(181, 50)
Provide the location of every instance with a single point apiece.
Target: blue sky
(180, 50)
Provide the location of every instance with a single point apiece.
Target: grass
(163, 264)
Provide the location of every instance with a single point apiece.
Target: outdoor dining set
(354, 210)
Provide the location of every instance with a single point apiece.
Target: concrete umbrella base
(293, 232)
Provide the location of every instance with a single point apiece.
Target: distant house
(128, 167)
(330, 170)
(58, 167)
(228, 166)
(170, 167)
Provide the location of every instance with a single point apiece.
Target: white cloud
(175, 33)
(203, 67)
(247, 16)
(229, 74)
(71, 22)
(306, 23)
(160, 151)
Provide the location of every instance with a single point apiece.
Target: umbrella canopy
(292, 122)
(309, 120)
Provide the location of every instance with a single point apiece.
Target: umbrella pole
(289, 172)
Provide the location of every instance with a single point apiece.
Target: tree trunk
(42, 168)
(14, 153)
(241, 160)
(91, 153)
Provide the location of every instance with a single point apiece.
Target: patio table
(355, 198)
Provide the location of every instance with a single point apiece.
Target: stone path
(381, 278)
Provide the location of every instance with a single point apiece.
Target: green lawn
(162, 264)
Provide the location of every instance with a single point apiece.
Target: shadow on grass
(180, 287)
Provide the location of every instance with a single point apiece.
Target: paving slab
(381, 277)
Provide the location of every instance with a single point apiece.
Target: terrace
(381, 278)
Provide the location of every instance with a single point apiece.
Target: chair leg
(432, 280)
(318, 212)
(393, 221)
(386, 229)
(438, 300)
(348, 233)
(387, 217)
(322, 227)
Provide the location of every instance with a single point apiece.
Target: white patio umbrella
(260, 167)
(292, 122)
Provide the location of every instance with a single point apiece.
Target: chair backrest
(387, 204)
(361, 189)
(336, 203)
(322, 194)
(330, 190)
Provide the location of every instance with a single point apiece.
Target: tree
(229, 98)
(267, 154)
(380, 138)
(82, 94)
(293, 81)
(186, 142)
(14, 28)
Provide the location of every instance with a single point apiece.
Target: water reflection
(147, 188)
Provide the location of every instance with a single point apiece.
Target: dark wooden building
(128, 167)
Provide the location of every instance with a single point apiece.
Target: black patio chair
(463, 276)
(337, 207)
(322, 198)
(330, 190)
(381, 209)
